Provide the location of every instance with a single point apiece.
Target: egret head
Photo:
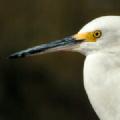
(101, 33)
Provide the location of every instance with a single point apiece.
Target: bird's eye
(97, 34)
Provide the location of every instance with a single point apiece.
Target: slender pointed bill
(59, 45)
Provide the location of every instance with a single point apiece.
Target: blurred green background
(50, 86)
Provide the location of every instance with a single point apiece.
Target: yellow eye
(97, 34)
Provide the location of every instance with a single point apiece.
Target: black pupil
(97, 34)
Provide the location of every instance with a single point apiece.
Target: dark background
(50, 86)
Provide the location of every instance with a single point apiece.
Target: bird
(99, 42)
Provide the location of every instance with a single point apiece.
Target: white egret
(99, 41)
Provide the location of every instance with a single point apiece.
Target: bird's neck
(101, 80)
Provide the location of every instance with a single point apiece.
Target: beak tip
(15, 56)
(12, 57)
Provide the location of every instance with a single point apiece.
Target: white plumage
(102, 84)
(102, 68)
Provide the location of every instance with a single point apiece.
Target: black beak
(58, 45)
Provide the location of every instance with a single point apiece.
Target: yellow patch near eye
(89, 37)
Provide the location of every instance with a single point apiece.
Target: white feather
(102, 67)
